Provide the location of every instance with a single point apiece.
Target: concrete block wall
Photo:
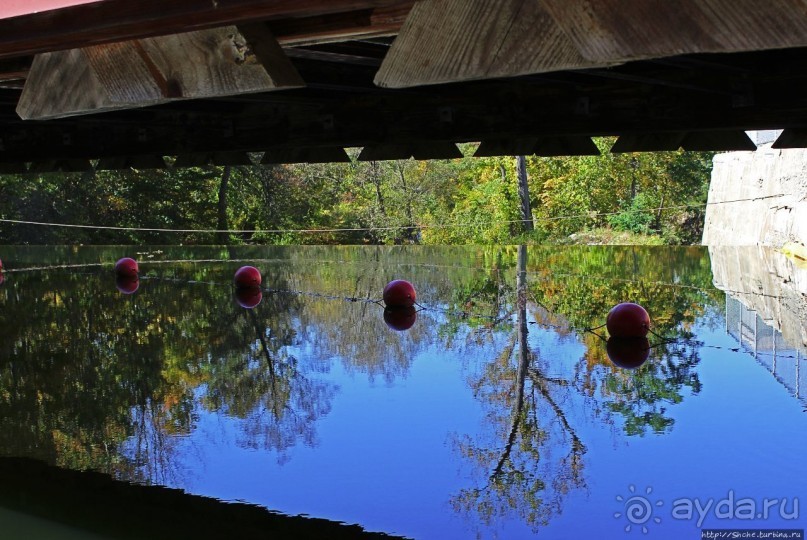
(758, 198)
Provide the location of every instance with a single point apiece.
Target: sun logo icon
(638, 509)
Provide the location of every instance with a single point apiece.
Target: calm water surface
(496, 415)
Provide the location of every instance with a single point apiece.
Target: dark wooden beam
(648, 142)
(791, 138)
(377, 22)
(718, 141)
(305, 155)
(112, 21)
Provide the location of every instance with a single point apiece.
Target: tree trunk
(223, 237)
(524, 194)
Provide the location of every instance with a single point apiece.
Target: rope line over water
(368, 229)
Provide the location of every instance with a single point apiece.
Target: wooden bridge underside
(128, 82)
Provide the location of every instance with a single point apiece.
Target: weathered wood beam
(209, 63)
(122, 20)
(459, 40)
(608, 31)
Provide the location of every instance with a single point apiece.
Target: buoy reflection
(248, 298)
(628, 352)
(401, 318)
(127, 284)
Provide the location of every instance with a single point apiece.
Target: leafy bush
(636, 218)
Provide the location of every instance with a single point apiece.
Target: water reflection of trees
(532, 455)
(92, 379)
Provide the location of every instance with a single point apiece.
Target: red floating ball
(1, 264)
(400, 319)
(628, 320)
(399, 293)
(628, 353)
(247, 277)
(127, 267)
(126, 284)
(248, 297)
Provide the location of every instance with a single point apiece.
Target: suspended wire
(589, 215)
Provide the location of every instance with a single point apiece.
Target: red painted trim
(15, 8)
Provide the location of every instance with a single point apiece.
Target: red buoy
(1, 264)
(127, 267)
(399, 293)
(248, 297)
(628, 320)
(628, 353)
(127, 284)
(400, 319)
(247, 277)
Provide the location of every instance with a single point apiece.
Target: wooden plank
(609, 31)
(436, 150)
(305, 155)
(718, 141)
(60, 165)
(13, 168)
(197, 159)
(416, 150)
(791, 138)
(231, 158)
(506, 147)
(208, 63)
(148, 161)
(458, 40)
(648, 142)
(385, 152)
(363, 24)
(122, 20)
(569, 145)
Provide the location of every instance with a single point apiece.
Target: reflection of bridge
(766, 309)
(768, 346)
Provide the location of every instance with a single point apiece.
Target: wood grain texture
(138, 73)
(608, 31)
(458, 40)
